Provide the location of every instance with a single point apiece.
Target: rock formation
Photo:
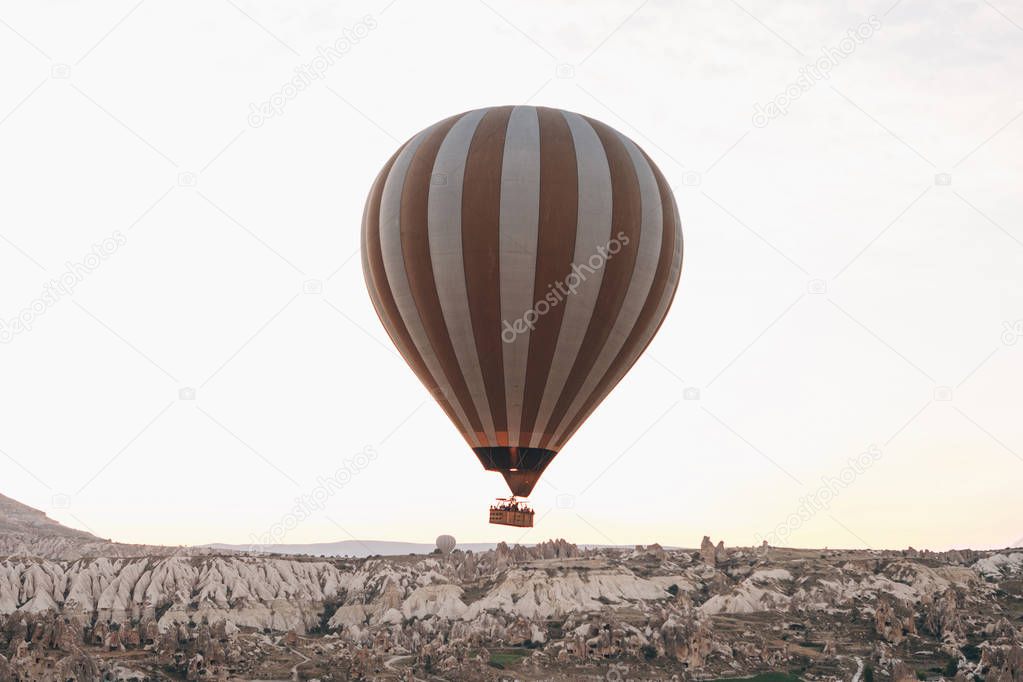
(708, 552)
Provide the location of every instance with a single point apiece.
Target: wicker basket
(506, 517)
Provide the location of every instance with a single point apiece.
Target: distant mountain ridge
(26, 531)
(353, 548)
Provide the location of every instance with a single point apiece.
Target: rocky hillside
(547, 612)
(28, 532)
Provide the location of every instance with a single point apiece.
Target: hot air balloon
(445, 543)
(521, 259)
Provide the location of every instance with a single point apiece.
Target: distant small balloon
(445, 543)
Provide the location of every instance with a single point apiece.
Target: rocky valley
(547, 612)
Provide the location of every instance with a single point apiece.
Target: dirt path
(389, 664)
(859, 669)
(294, 668)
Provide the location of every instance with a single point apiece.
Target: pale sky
(853, 278)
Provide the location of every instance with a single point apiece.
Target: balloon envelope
(445, 543)
(521, 259)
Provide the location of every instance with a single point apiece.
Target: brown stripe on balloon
(618, 264)
(559, 203)
(380, 292)
(481, 253)
(647, 323)
(415, 249)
